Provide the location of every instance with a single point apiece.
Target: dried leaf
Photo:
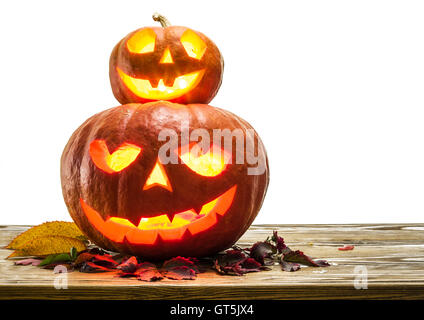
(83, 257)
(262, 251)
(129, 266)
(48, 245)
(144, 271)
(181, 261)
(180, 273)
(231, 257)
(322, 263)
(54, 228)
(25, 262)
(90, 267)
(105, 260)
(301, 258)
(148, 272)
(289, 266)
(235, 262)
(149, 275)
(180, 268)
(248, 265)
(346, 248)
(279, 242)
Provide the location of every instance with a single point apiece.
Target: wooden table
(392, 255)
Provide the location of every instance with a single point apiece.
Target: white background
(334, 88)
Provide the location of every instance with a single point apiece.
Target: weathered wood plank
(392, 254)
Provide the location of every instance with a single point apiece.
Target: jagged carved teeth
(198, 209)
(148, 230)
(171, 216)
(149, 89)
(168, 219)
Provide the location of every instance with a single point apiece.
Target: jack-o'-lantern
(125, 197)
(170, 63)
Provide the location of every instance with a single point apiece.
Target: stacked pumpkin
(117, 186)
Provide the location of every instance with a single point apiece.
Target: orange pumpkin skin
(88, 189)
(150, 66)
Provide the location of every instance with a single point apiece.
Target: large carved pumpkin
(125, 197)
(165, 63)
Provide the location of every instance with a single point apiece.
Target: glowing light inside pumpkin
(158, 177)
(167, 57)
(143, 41)
(208, 164)
(143, 88)
(193, 44)
(163, 222)
(121, 158)
(182, 83)
(149, 229)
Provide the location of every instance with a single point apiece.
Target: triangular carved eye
(143, 41)
(120, 159)
(193, 44)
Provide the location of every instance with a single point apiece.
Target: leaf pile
(235, 262)
(239, 261)
(48, 238)
(178, 268)
(71, 252)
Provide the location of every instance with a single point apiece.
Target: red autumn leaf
(105, 260)
(227, 263)
(128, 266)
(231, 257)
(144, 271)
(300, 258)
(91, 267)
(181, 261)
(180, 273)
(346, 248)
(148, 272)
(149, 275)
(235, 262)
(289, 266)
(90, 263)
(279, 242)
(248, 265)
(83, 257)
(180, 268)
(224, 269)
(262, 252)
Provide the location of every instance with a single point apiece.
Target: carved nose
(167, 57)
(158, 178)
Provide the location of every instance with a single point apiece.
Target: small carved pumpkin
(125, 198)
(165, 63)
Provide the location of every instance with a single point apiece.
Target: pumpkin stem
(163, 21)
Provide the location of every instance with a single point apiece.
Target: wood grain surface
(391, 254)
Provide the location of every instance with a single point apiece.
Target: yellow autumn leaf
(54, 228)
(44, 246)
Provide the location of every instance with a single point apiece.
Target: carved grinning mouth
(149, 229)
(143, 88)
